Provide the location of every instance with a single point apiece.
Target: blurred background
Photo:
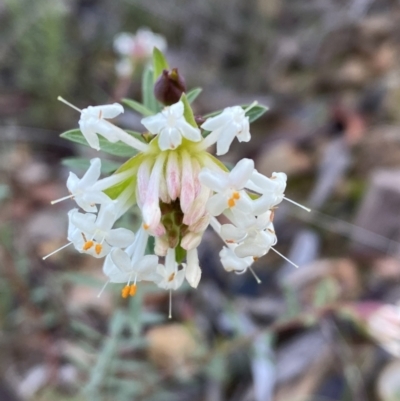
(329, 70)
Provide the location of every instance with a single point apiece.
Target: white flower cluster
(180, 189)
(134, 48)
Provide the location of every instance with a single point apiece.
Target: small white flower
(93, 122)
(225, 126)
(171, 126)
(172, 278)
(120, 268)
(228, 187)
(94, 234)
(271, 190)
(231, 262)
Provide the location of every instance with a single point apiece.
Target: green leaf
(80, 163)
(188, 112)
(116, 149)
(159, 64)
(193, 94)
(140, 108)
(254, 113)
(149, 100)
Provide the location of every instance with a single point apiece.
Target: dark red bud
(169, 87)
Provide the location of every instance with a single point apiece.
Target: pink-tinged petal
(200, 225)
(217, 204)
(225, 140)
(191, 240)
(218, 181)
(196, 168)
(159, 230)
(120, 237)
(173, 177)
(151, 209)
(241, 173)
(154, 124)
(193, 270)
(164, 196)
(198, 207)
(232, 234)
(161, 246)
(187, 190)
(143, 178)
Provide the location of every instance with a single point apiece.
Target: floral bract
(180, 189)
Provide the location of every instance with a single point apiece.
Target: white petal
(250, 249)
(241, 173)
(176, 109)
(191, 240)
(121, 260)
(90, 135)
(106, 217)
(215, 180)
(213, 123)
(92, 174)
(225, 140)
(84, 222)
(193, 270)
(154, 124)
(114, 274)
(230, 233)
(120, 237)
(72, 183)
(189, 132)
(217, 204)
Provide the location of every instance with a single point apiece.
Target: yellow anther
(132, 290)
(125, 291)
(98, 248)
(236, 195)
(87, 245)
(146, 226)
(230, 241)
(171, 277)
(271, 217)
(231, 202)
(255, 258)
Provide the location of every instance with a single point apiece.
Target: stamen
(255, 275)
(68, 104)
(125, 291)
(170, 305)
(87, 245)
(102, 289)
(297, 204)
(98, 248)
(132, 290)
(284, 257)
(171, 277)
(236, 195)
(57, 250)
(231, 202)
(61, 199)
(146, 226)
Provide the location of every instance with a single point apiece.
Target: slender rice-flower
(180, 189)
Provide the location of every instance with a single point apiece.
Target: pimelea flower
(180, 189)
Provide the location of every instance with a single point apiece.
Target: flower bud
(169, 87)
